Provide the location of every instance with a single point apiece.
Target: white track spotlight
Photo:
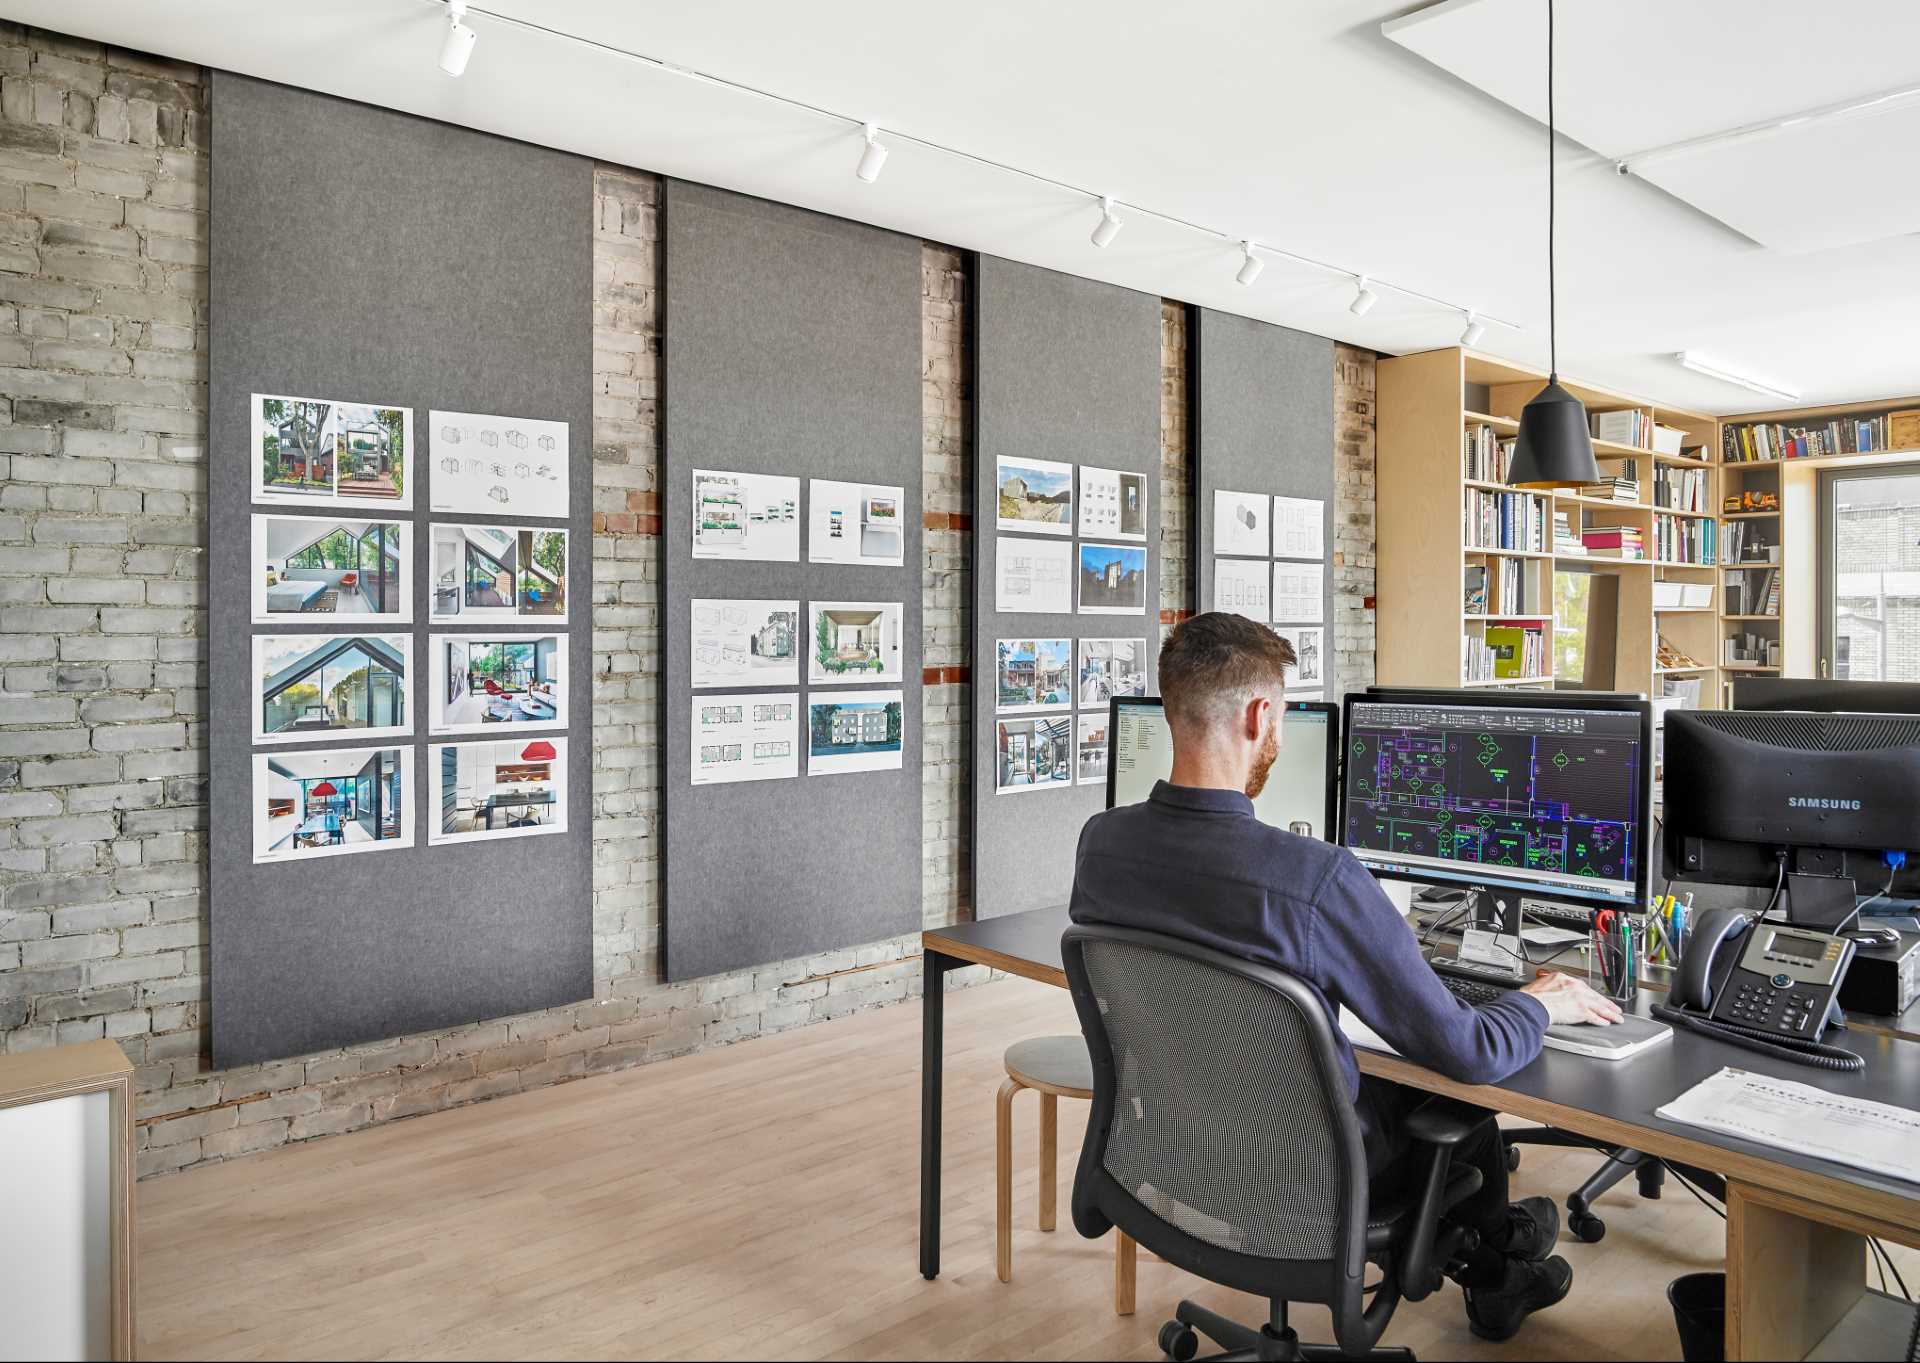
(1109, 227)
(1251, 267)
(874, 157)
(457, 50)
(1475, 330)
(1363, 297)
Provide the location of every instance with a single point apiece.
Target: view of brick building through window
(1876, 577)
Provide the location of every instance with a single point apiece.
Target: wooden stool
(1055, 1067)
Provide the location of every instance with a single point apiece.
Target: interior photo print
(309, 686)
(1033, 754)
(1036, 495)
(323, 449)
(498, 572)
(1109, 668)
(1091, 750)
(854, 641)
(1113, 579)
(320, 804)
(853, 731)
(323, 566)
(479, 683)
(508, 789)
(1034, 674)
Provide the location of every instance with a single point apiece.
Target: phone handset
(1769, 988)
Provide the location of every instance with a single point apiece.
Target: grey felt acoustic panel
(792, 347)
(1064, 369)
(365, 255)
(1262, 422)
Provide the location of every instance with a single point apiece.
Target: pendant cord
(1553, 300)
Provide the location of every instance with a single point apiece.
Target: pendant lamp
(1555, 448)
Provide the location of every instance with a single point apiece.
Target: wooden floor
(758, 1201)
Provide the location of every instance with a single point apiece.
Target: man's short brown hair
(1212, 665)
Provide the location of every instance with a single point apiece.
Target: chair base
(1620, 1161)
(1274, 1342)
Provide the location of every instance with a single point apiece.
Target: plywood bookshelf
(1427, 405)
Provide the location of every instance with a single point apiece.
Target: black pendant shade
(1554, 449)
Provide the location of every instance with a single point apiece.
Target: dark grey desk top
(1572, 1091)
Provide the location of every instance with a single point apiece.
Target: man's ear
(1255, 718)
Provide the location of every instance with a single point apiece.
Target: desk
(1796, 1227)
(496, 803)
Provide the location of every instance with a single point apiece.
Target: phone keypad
(1766, 1005)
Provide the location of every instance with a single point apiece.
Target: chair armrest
(1443, 1121)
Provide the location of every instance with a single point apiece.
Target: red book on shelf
(1611, 538)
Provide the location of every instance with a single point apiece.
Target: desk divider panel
(367, 256)
(1066, 371)
(1263, 425)
(792, 348)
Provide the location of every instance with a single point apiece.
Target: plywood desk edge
(933, 941)
(79, 1068)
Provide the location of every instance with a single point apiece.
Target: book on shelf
(1766, 442)
(1612, 490)
(1676, 489)
(1614, 541)
(1684, 541)
(1517, 594)
(1505, 520)
(1628, 427)
(1487, 454)
(1475, 602)
(1565, 541)
(1504, 653)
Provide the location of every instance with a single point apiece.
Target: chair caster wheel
(1513, 1158)
(1588, 1227)
(1178, 1342)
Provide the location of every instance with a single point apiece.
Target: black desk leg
(933, 1015)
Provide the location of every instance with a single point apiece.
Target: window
(488, 581)
(338, 549)
(1870, 592)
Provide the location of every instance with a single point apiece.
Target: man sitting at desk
(1193, 862)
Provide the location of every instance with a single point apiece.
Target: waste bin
(1700, 1315)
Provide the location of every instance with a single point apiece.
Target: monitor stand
(1824, 903)
(1491, 948)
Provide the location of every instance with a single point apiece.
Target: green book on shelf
(1509, 645)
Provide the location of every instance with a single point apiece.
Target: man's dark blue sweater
(1197, 864)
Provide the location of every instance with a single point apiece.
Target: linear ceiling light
(457, 50)
(1251, 267)
(1687, 359)
(1363, 297)
(874, 157)
(1109, 227)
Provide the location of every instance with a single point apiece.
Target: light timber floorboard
(757, 1201)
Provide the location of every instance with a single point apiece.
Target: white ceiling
(1300, 124)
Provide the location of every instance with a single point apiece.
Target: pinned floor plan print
(1298, 529)
(1033, 754)
(745, 736)
(322, 449)
(1033, 674)
(1032, 577)
(498, 465)
(851, 731)
(1036, 495)
(854, 641)
(480, 683)
(746, 516)
(1298, 591)
(1109, 668)
(514, 788)
(320, 686)
(333, 803)
(1241, 587)
(484, 573)
(1113, 504)
(744, 643)
(315, 568)
(855, 523)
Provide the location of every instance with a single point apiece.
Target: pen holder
(1608, 969)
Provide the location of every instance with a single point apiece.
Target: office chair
(1222, 1138)
(1620, 1161)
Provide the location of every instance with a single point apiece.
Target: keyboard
(1470, 990)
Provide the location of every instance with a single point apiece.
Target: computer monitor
(1539, 794)
(1300, 789)
(1826, 695)
(1817, 806)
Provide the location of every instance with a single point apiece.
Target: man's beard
(1269, 754)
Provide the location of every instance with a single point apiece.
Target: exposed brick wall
(103, 232)
(1177, 598)
(1353, 541)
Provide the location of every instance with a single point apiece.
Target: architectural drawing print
(495, 481)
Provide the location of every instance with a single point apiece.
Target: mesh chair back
(1222, 1110)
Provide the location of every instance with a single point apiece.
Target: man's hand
(1571, 1000)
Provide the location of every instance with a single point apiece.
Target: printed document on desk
(1877, 1137)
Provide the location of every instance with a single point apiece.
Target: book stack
(1679, 489)
(1684, 541)
(1616, 489)
(1565, 541)
(1506, 520)
(1765, 442)
(1630, 427)
(1614, 541)
(1504, 653)
(1486, 454)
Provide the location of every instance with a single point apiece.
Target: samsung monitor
(1826, 695)
(1539, 794)
(1299, 794)
(1816, 806)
